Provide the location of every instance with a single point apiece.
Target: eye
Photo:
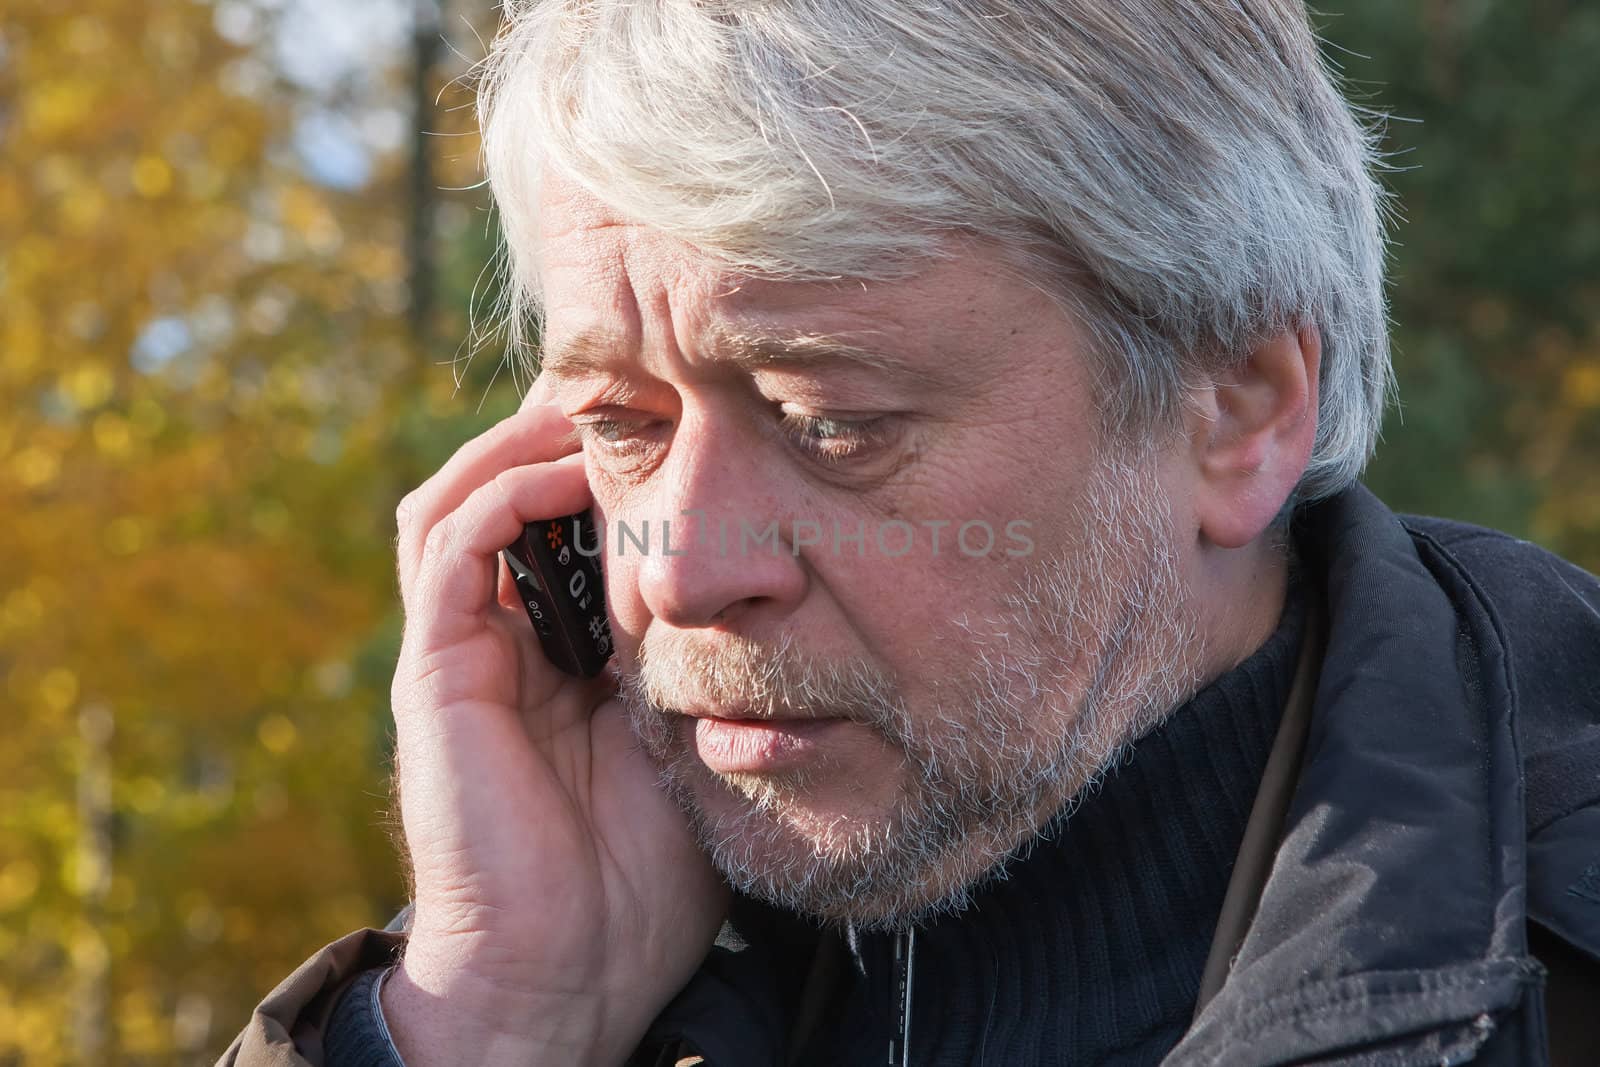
(611, 431)
(832, 439)
(828, 439)
(623, 439)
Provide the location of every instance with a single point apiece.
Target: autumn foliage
(213, 399)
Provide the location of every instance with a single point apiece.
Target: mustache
(677, 673)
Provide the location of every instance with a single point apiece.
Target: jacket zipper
(905, 946)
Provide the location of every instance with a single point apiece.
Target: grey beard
(983, 779)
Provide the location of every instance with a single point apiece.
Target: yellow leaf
(1581, 383)
(111, 434)
(35, 467)
(148, 417)
(151, 176)
(58, 688)
(19, 879)
(22, 609)
(53, 108)
(278, 735)
(88, 385)
(145, 794)
(83, 209)
(124, 535)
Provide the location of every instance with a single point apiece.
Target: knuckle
(505, 485)
(405, 512)
(442, 539)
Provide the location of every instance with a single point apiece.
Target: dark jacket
(1440, 857)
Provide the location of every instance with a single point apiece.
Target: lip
(729, 744)
(731, 714)
(739, 714)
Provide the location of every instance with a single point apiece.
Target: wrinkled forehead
(604, 275)
(578, 241)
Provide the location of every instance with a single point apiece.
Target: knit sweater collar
(1090, 947)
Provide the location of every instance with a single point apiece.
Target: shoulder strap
(1264, 830)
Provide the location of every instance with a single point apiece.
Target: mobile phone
(563, 591)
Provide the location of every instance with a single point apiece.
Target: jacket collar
(1393, 917)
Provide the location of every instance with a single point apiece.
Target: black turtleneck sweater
(1090, 950)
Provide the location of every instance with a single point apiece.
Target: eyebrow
(596, 351)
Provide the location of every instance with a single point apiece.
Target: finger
(506, 591)
(537, 435)
(542, 391)
(458, 578)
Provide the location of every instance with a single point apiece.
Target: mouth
(744, 714)
(734, 741)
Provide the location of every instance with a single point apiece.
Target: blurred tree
(212, 404)
(1496, 145)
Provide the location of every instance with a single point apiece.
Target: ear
(1251, 434)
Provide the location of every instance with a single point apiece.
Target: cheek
(921, 615)
(629, 616)
(628, 619)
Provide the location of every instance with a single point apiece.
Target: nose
(730, 556)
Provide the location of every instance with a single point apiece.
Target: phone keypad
(563, 592)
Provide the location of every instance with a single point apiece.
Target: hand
(560, 899)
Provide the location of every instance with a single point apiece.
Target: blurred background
(239, 241)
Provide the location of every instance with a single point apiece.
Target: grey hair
(1183, 176)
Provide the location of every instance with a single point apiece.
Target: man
(1017, 673)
